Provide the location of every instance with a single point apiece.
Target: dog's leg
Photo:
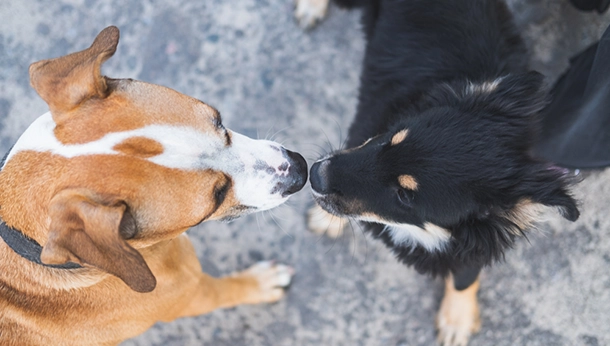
(321, 222)
(458, 317)
(264, 282)
(309, 12)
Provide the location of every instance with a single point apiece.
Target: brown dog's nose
(297, 173)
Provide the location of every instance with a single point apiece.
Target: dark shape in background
(576, 124)
(589, 5)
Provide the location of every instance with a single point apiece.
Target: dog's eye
(405, 197)
(220, 192)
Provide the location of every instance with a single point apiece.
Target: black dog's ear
(549, 185)
(522, 95)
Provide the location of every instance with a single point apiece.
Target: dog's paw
(310, 12)
(270, 281)
(320, 221)
(458, 318)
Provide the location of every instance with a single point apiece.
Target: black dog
(448, 113)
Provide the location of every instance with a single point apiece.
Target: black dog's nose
(319, 178)
(297, 171)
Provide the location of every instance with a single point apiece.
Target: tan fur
(139, 146)
(124, 228)
(408, 182)
(458, 317)
(109, 312)
(524, 214)
(320, 221)
(399, 137)
(309, 12)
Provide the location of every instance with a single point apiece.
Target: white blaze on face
(263, 167)
(255, 166)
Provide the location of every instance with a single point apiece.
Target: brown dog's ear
(88, 232)
(65, 82)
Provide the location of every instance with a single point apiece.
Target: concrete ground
(270, 79)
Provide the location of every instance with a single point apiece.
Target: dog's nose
(319, 178)
(297, 172)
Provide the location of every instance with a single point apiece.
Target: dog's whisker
(330, 145)
(263, 215)
(271, 212)
(334, 241)
(340, 133)
(366, 243)
(280, 226)
(267, 132)
(355, 241)
(258, 223)
(318, 146)
(279, 131)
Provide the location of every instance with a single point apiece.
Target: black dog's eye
(405, 197)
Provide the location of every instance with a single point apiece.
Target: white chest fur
(431, 237)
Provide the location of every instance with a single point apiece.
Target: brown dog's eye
(220, 192)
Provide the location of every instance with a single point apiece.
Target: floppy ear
(521, 95)
(549, 185)
(65, 82)
(90, 232)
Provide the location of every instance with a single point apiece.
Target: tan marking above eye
(408, 182)
(139, 146)
(399, 136)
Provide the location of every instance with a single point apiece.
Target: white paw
(272, 280)
(458, 318)
(309, 12)
(320, 221)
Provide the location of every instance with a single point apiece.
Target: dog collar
(25, 246)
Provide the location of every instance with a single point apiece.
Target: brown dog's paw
(310, 12)
(320, 221)
(268, 281)
(458, 318)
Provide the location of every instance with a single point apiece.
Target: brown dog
(96, 194)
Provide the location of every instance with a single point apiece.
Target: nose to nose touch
(319, 177)
(298, 172)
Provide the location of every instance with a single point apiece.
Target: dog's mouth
(322, 191)
(337, 205)
(264, 173)
(324, 201)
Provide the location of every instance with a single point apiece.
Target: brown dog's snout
(297, 173)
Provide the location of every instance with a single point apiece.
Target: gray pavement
(270, 79)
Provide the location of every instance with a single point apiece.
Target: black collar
(25, 246)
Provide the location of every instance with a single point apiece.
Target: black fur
(454, 73)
